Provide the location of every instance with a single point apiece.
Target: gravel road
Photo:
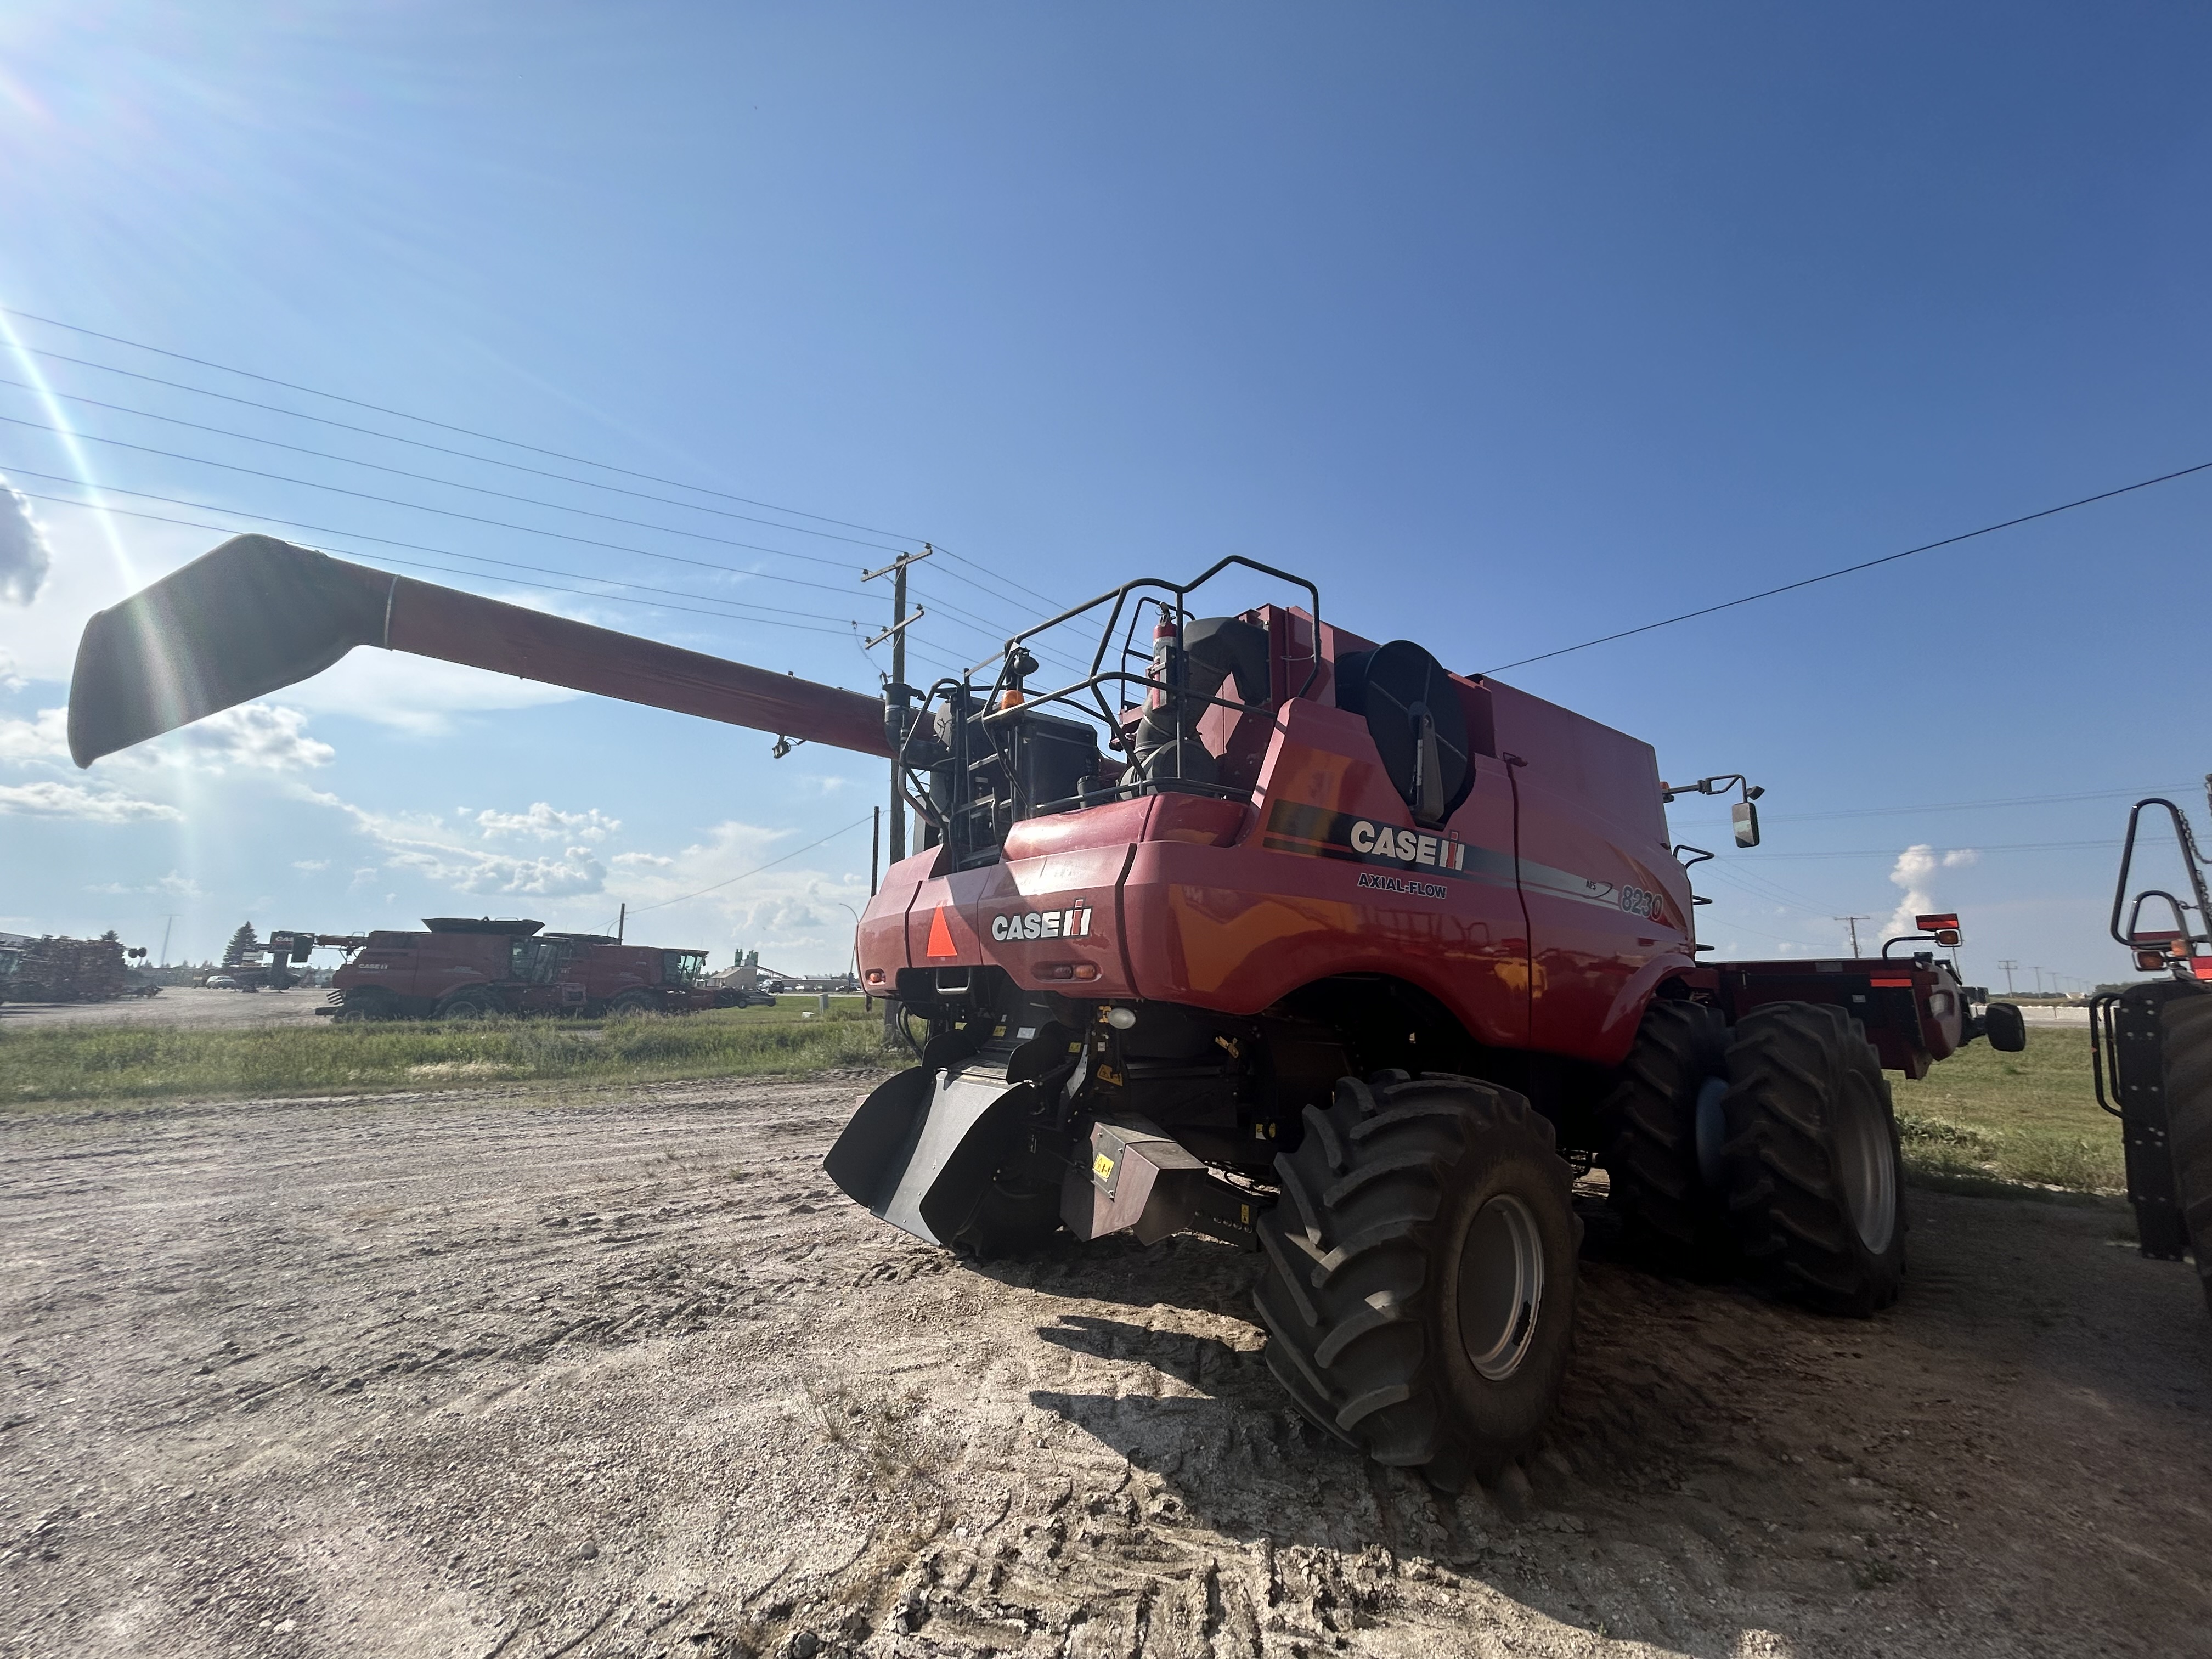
(177, 1005)
(530, 1375)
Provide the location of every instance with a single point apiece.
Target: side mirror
(1745, 817)
(2005, 1028)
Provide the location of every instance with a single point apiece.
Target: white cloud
(261, 735)
(73, 800)
(425, 843)
(44, 737)
(258, 736)
(310, 864)
(642, 860)
(545, 823)
(11, 678)
(25, 557)
(1914, 870)
(175, 885)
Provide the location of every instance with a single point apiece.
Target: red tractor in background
(1355, 969)
(2150, 1047)
(468, 968)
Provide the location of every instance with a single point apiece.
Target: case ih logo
(1042, 924)
(1386, 841)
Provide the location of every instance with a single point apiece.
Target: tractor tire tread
(2185, 1044)
(1344, 1336)
(1647, 1129)
(1788, 1209)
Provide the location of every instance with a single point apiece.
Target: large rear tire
(1419, 1289)
(366, 1002)
(1662, 1130)
(2186, 1045)
(1816, 1178)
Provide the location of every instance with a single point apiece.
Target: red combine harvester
(465, 968)
(1354, 969)
(2151, 1049)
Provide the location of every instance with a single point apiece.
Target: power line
(486, 460)
(1940, 806)
(446, 426)
(471, 518)
(423, 478)
(232, 530)
(1868, 564)
(663, 904)
(1998, 846)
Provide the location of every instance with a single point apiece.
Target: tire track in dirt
(495, 1372)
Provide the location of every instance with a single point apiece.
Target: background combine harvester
(1352, 969)
(465, 968)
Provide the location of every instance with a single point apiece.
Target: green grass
(1981, 1120)
(1982, 1117)
(145, 1062)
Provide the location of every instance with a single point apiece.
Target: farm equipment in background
(53, 969)
(464, 968)
(1355, 970)
(2150, 1047)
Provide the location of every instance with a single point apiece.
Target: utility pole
(2038, 966)
(899, 698)
(875, 844)
(898, 692)
(1852, 922)
(168, 921)
(2008, 964)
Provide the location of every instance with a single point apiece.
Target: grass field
(2028, 1117)
(148, 1062)
(1978, 1119)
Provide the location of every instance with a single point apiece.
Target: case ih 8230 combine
(1258, 929)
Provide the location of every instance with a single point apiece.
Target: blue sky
(1511, 326)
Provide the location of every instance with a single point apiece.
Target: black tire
(464, 1004)
(633, 1002)
(2185, 1046)
(1816, 1177)
(1420, 1217)
(365, 1002)
(1668, 1183)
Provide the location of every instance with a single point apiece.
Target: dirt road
(527, 1376)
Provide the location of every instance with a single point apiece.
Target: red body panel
(1231, 906)
(423, 968)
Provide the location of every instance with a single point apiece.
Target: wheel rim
(1501, 1286)
(1866, 1166)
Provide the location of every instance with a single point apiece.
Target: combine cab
(2151, 1048)
(1257, 929)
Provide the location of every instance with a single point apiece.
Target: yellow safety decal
(1103, 1167)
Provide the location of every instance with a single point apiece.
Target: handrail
(2192, 861)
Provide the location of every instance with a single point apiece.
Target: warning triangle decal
(940, 936)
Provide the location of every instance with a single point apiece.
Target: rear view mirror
(2005, 1027)
(1745, 817)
